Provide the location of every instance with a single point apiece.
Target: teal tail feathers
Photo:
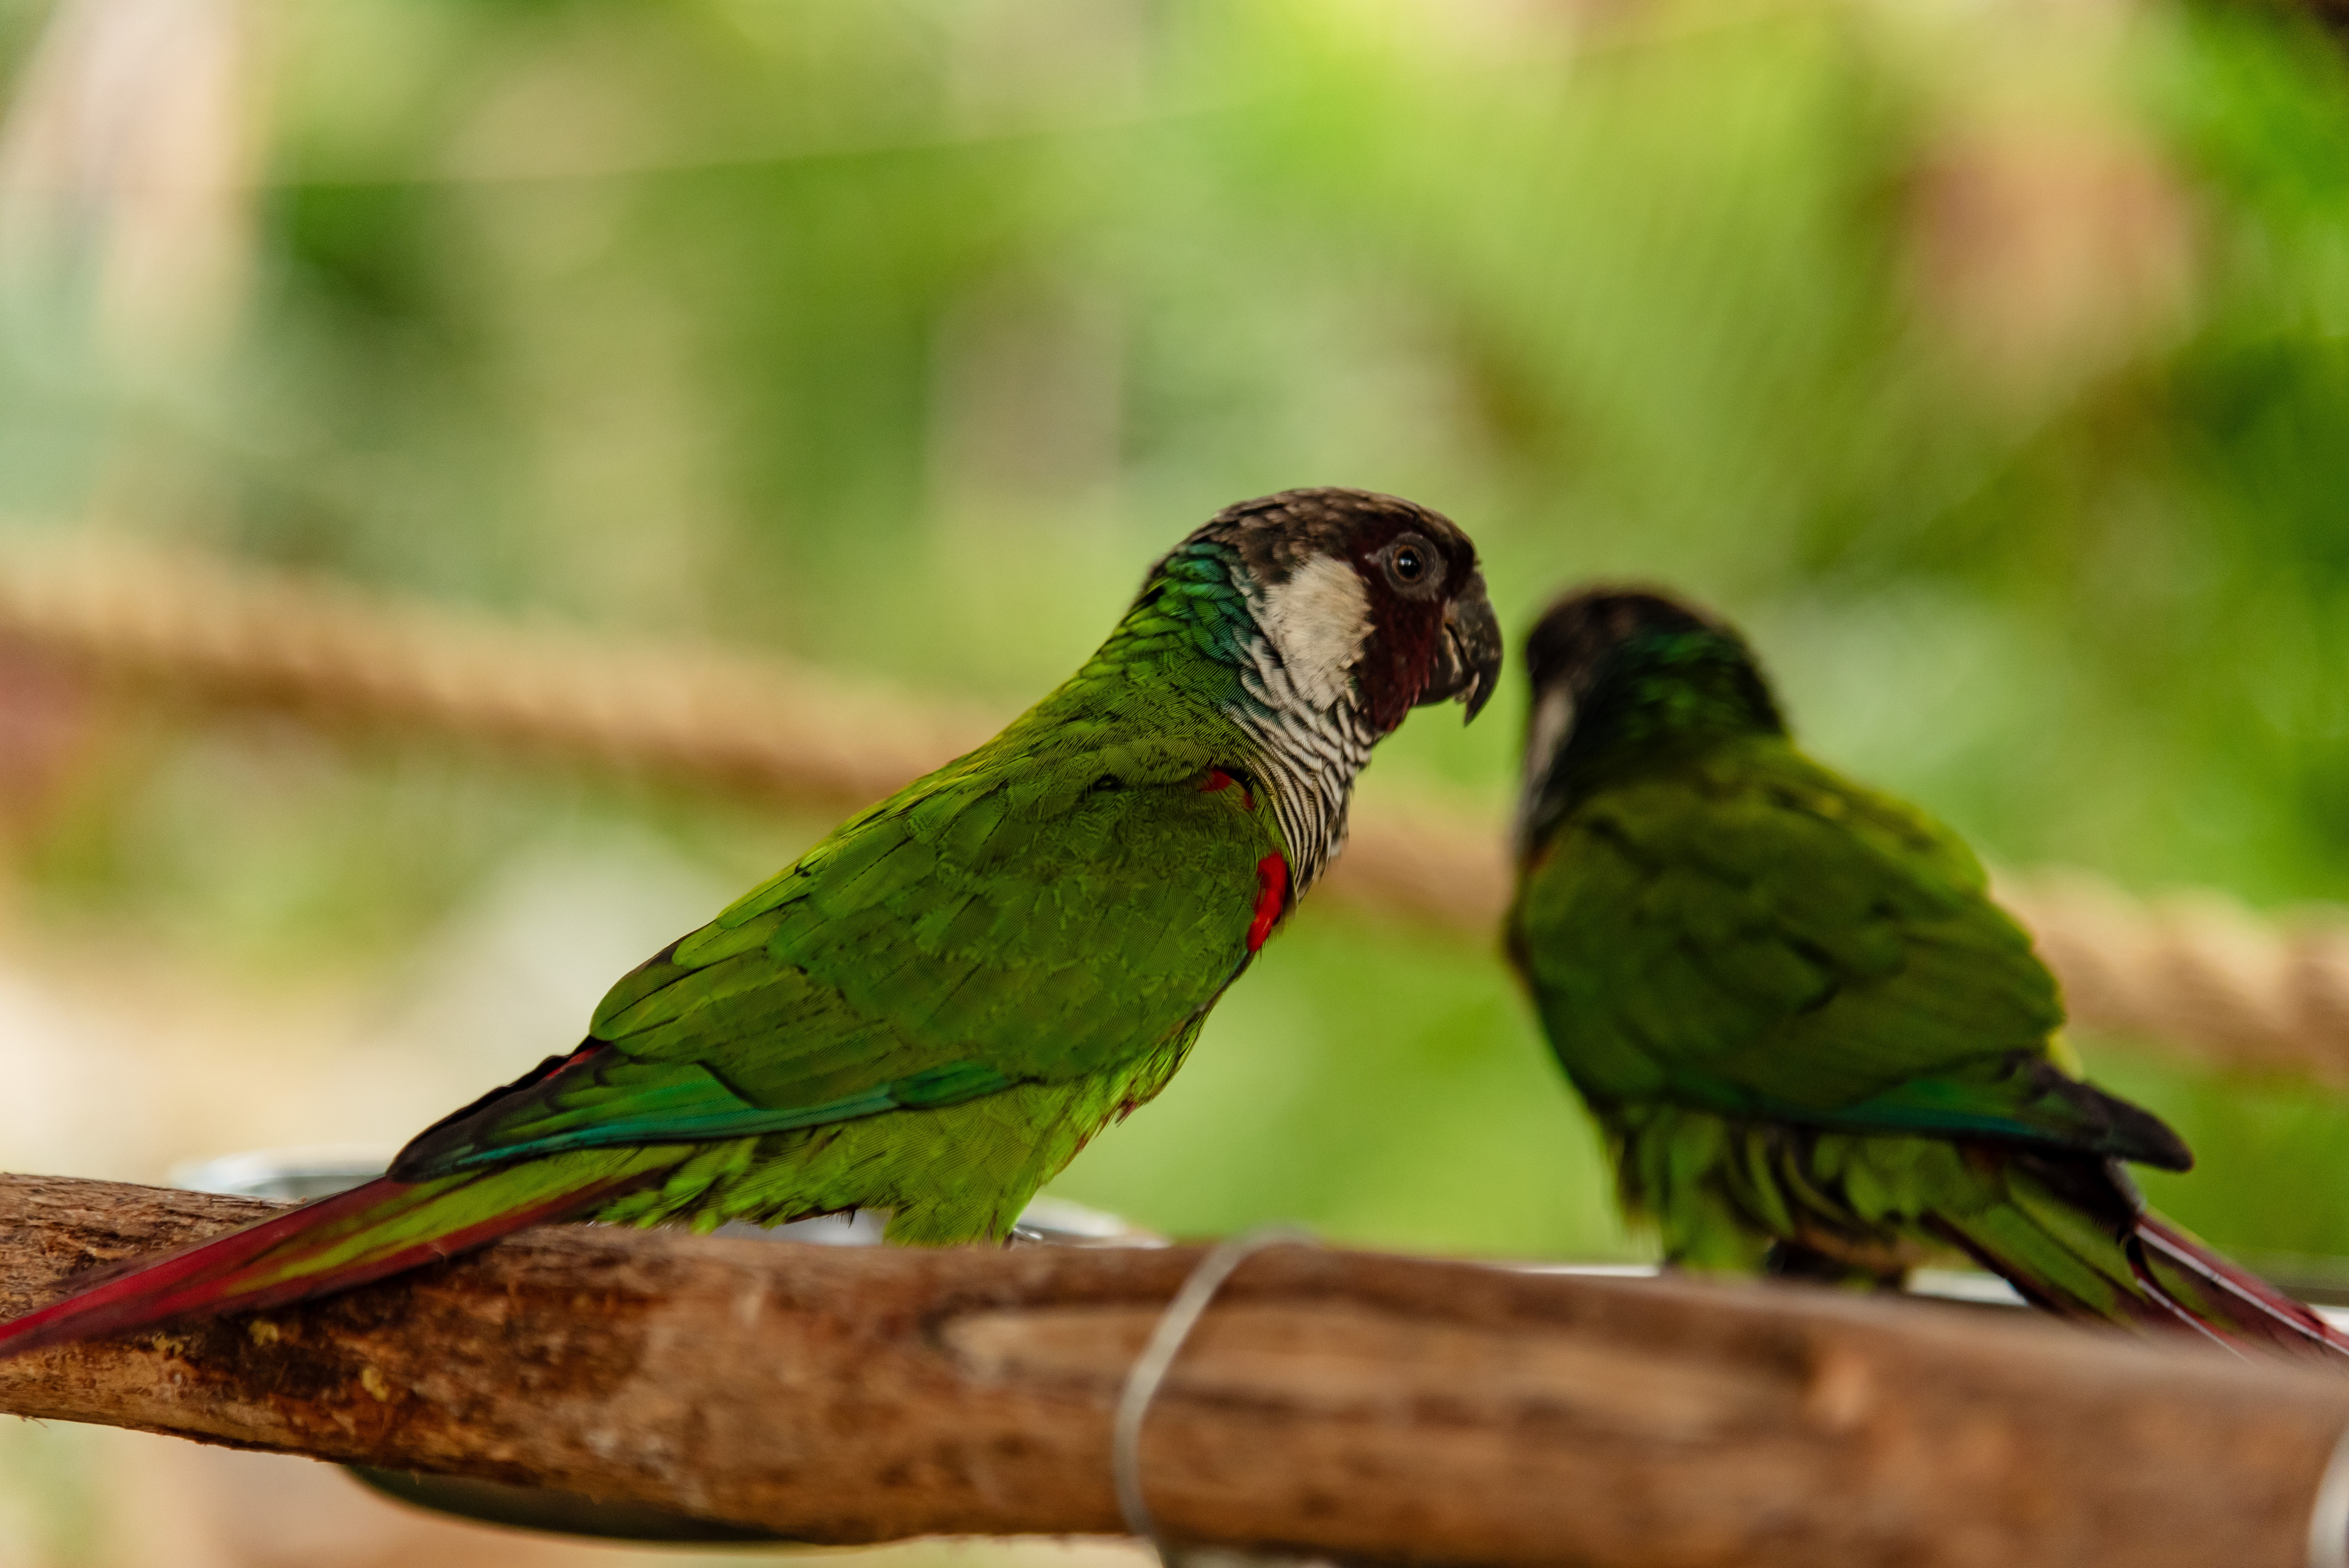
(2075, 1239)
(327, 1245)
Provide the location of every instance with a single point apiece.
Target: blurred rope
(2197, 970)
(200, 626)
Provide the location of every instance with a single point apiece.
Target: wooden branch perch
(1333, 1403)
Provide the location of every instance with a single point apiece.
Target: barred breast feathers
(1302, 710)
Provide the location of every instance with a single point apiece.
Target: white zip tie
(1150, 1369)
(2328, 1520)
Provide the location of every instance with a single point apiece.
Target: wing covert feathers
(1755, 937)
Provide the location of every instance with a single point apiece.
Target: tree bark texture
(1334, 1403)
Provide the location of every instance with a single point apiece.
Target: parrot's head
(1634, 663)
(1367, 601)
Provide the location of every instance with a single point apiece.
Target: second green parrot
(1815, 1045)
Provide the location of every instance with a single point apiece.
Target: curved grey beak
(1468, 654)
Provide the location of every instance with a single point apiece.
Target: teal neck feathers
(1197, 634)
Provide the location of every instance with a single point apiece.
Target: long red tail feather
(2223, 1298)
(327, 1245)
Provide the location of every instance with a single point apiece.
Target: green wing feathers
(1757, 937)
(998, 923)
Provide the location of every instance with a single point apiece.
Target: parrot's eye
(1412, 563)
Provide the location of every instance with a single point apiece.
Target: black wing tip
(2113, 1126)
(2131, 1133)
(430, 1152)
(2141, 1137)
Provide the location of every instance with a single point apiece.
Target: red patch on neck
(1216, 779)
(1271, 899)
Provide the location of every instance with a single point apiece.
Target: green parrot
(1816, 1047)
(931, 1010)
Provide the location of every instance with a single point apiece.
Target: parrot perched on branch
(1815, 1046)
(931, 1010)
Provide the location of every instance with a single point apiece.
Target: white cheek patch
(1319, 620)
(1553, 716)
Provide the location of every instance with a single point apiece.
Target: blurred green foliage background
(1989, 360)
(1986, 360)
